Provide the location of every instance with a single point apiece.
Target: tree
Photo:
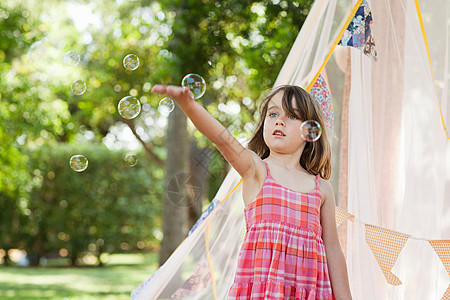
(220, 34)
(237, 46)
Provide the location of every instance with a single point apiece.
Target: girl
(291, 248)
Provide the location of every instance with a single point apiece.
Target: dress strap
(317, 182)
(267, 168)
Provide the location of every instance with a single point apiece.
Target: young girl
(291, 248)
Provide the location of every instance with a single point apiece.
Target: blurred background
(100, 232)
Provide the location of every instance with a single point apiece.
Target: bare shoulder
(326, 190)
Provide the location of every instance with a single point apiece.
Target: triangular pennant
(342, 215)
(386, 245)
(446, 295)
(442, 249)
(322, 94)
(359, 32)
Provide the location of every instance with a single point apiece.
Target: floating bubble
(129, 107)
(310, 130)
(131, 62)
(78, 163)
(78, 87)
(166, 105)
(71, 58)
(35, 51)
(196, 84)
(131, 160)
(44, 54)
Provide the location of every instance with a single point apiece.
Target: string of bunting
(386, 245)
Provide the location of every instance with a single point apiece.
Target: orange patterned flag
(386, 245)
(446, 294)
(342, 215)
(442, 249)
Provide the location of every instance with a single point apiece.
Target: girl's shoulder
(326, 190)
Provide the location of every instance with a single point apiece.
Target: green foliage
(109, 207)
(237, 46)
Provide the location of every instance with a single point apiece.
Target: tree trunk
(199, 163)
(175, 200)
(6, 258)
(99, 254)
(73, 260)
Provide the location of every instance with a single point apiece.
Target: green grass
(116, 280)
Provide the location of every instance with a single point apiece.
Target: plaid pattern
(386, 245)
(342, 215)
(442, 249)
(283, 256)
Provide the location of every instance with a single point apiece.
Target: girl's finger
(159, 89)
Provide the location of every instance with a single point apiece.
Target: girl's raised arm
(240, 158)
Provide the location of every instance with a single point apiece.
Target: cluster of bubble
(129, 107)
(196, 85)
(72, 58)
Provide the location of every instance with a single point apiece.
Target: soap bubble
(44, 55)
(196, 84)
(78, 87)
(131, 160)
(78, 163)
(131, 62)
(36, 50)
(310, 130)
(129, 107)
(166, 105)
(72, 58)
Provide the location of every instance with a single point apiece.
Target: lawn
(115, 280)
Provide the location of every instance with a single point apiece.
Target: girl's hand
(182, 95)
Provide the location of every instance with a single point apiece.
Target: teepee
(380, 70)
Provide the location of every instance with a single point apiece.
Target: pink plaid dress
(283, 256)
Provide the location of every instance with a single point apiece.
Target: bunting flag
(446, 295)
(322, 94)
(386, 245)
(442, 249)
(359, 32)
(342, 215)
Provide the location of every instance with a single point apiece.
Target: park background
(100, 232)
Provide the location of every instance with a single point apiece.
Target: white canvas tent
(394, 172)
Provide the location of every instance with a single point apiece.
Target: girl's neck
(287, 162)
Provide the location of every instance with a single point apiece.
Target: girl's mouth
(278, 132)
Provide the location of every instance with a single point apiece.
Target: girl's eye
(273, 115)
(293, 117)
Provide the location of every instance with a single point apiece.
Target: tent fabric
(204, 264)
(398, 156)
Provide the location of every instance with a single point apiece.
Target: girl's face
(281, 130)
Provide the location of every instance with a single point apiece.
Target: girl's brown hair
(316, 157)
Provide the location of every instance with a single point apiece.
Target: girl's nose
(280, 122)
